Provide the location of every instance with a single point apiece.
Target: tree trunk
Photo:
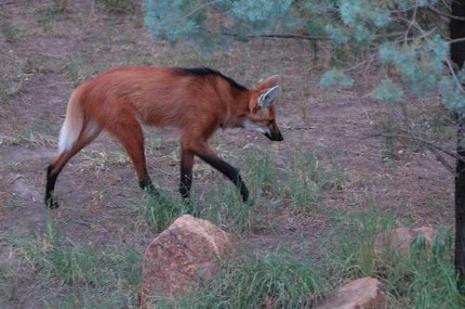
(457, 55)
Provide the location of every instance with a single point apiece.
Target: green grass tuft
(76, 265)
(252, 280)
(350, 246)
(9, 31)
(261, 173)
(82, 275)
(306, 179)
(117, 6)
(223, 206)
(388, 147)
(160, 211)
(423, 279)
(75, 69)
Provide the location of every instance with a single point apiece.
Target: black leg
(185, 184)
(59, 163)
(147, 185)
(50, 187)
(229, 171)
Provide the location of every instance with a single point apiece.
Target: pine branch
(438, 12)
(298, 36)
(413, 134)
(279, 36)
(433, 148)
(459, 40)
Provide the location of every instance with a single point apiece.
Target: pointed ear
(267, 98)
(253, 104)
(269, 82)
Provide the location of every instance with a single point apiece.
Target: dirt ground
(45, 51)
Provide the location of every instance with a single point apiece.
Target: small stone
(401, 239)
(363, 293)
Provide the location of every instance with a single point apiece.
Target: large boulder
(183, 256)
(401, 239)
(363, 293)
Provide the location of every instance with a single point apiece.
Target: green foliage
(335, 78)
(249, 281)
(205, 22)
(259, 10)
(452, 92)
(359, 13)
(420, 64)
(337, 34)
(388, 91)
(167, 20)
(411, 42)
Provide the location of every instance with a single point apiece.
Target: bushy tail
(74, 122)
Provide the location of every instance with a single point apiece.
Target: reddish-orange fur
(120, 99)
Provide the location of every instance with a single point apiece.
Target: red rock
(401, 239)
(363, 293)
(184, 255)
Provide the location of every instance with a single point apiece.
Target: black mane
(204, 71)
